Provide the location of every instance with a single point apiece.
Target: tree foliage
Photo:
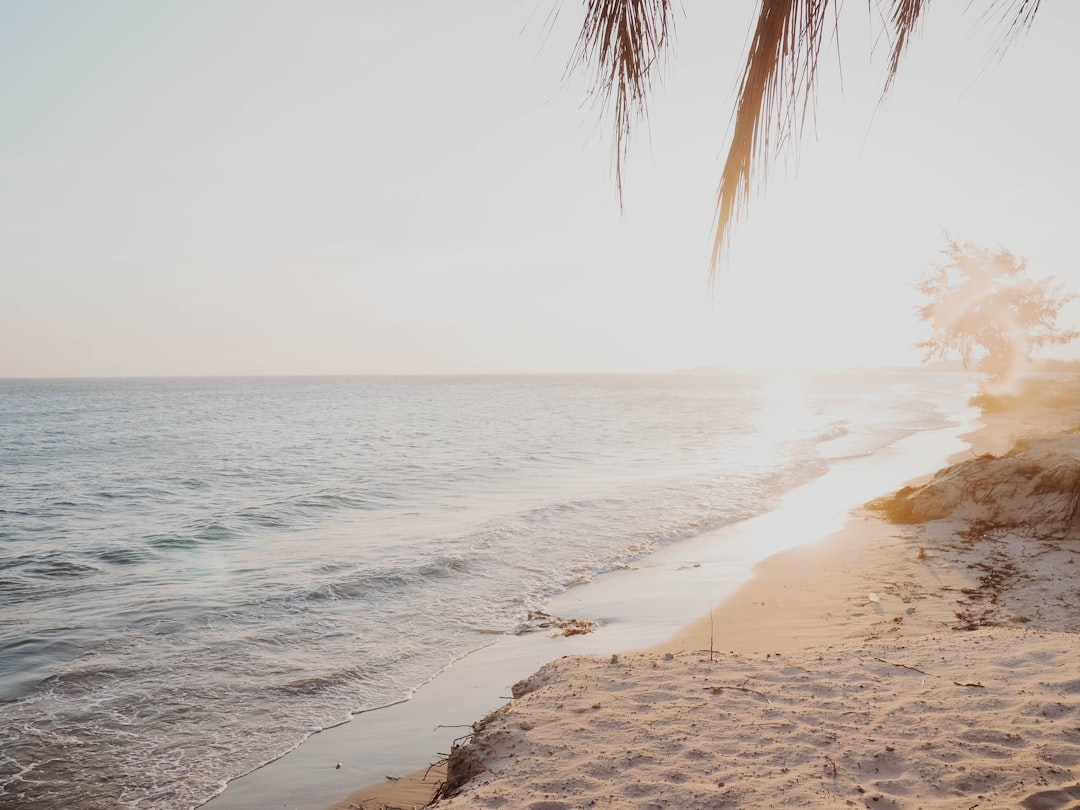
(983, 307)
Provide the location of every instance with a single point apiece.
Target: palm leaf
(622, 41)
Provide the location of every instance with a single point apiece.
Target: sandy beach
(926, 664)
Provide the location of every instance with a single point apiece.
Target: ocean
(198, 573)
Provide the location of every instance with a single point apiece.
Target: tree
(624, 41)
(983, 307)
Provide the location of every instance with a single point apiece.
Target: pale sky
(351, 187)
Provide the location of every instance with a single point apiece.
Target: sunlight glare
(783, 416)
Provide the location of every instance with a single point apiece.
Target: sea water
(196, 574)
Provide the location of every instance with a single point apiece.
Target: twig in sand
(716, 690)
(436, 764)
(711, 650)
(832, 764)
(976, 685)
(440, 793)
(902, 666)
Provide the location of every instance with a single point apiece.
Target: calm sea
(195, 574)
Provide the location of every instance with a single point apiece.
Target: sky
(207, 187)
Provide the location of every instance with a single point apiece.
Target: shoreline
(751, 616)
(871, 583)
(636, 608)
(819, 594)
(772, 612)
(813, 596)
(801, 598)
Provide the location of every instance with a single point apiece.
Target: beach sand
(930, 665)
(409, 791)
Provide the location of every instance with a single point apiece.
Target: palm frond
(778, 83)
(905, 18)
(622, 42)
(1014, 19)
(773, 96)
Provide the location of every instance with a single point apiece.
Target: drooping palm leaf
(905, 17)
(774, 92)
(622, 41)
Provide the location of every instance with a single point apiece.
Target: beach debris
(716, 690)
(832, 764)
(539, 620)
(337, 767)
(873, 597)
(614, 658)
(901, 666)
(575, 627)
(463, 764)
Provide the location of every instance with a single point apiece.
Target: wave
(60, 567)
(834, 431)
(88, 678)
(301, 510)
(124, 556)
(317, 683)
(392, 579)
